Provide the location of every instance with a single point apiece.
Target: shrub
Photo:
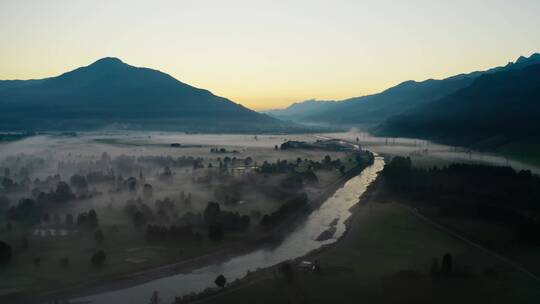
(98, 258)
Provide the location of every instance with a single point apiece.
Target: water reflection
(334, 212)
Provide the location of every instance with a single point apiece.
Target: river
(334, 211)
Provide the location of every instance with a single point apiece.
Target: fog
(146, 155)
(132, 155)
(426, 153)
(144, 198)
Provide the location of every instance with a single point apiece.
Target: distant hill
(110, 93)
(300, 110)
(8, 84)
(496, 109)
(369, 111)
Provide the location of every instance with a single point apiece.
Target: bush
(64, 262)
(27, 210)
(221, 281)
(139, 220)
(5, 253)
(286, 270)
(292, 205)
(215, 232)
(446, 267)
(24, 243)
(98, 259)
(99, 236)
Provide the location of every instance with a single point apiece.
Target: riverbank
(385, 257)
(182, 267)
(214, 295)
(292, 222)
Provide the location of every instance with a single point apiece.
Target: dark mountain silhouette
(301, 110)
(495, 109)
(369, 111)
(110, 92)
(7, 84)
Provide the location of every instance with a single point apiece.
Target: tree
(211, 213)
(69, 219)
(80, 183)
(221, 281)
(92, 219)
(139, 220)
(24, 242)
(26, 210)
(167, 171)
(215, 232)
(285, 268)
(132, 184)
(63, 192)
(99, 236)
(114, 228)
(446, 267)
(155, 298)
(182, 196)
(8, 183)
(81, 219)
(327, 159)
(5, 253)
(56, 218)
(46, 218)
(24, 173)
(64, 262)
(147, 191)
(434, 267)
(98, 258)
(4, 203)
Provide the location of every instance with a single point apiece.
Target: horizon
(287, 105)
(269, 151)
(332, 52)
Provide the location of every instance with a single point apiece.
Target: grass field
(24, 275)
(383, 240)
(522, 151)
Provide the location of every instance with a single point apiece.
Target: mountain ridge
(370, 110)
(111, 92)
(502, 107)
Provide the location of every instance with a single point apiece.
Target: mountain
(299, 110)
(7, 84)
(110, 92)
(496, 109)
(369, 111)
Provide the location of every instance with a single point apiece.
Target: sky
(268, 54)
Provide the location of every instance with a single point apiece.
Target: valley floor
(385, 257)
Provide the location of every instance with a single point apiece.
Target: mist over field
(178, 152)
